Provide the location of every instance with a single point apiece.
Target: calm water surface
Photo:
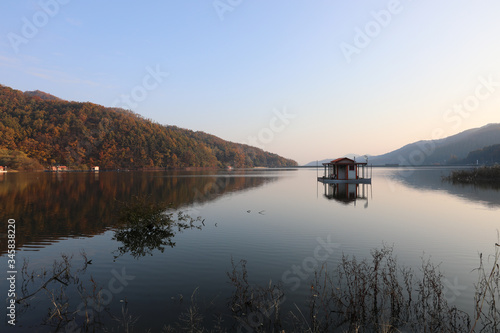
(274, 219)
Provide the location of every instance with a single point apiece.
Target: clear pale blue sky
(233, 64)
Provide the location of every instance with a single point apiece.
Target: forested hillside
(486, 155)
(52, 131)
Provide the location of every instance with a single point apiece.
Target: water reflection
(49, 207)
(347, 193)
(146, 227)
(431, 178)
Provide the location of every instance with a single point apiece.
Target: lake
(282, 222)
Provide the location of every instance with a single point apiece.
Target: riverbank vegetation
(482, 175)
(17, 160)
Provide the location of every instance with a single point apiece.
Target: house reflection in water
(347, 193)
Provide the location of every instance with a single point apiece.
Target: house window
(351, 167)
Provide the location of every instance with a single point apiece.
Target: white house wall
(352, 173)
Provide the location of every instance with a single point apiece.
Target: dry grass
(482, 175)
(381, 296)
(371, 295)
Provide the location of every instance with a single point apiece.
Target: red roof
(344, 160)
(341, 159)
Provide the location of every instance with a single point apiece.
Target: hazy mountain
(38, 127)
(442, 151)
(449, 150)
(359, 158)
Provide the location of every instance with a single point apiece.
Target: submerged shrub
(376, 294)
(480, 175)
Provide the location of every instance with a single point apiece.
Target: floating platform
(345, 181)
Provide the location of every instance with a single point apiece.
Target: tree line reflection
(52, 206)
(146, 226)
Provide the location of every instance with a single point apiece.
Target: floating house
(345, 170)
(3, 169)
(94, 168)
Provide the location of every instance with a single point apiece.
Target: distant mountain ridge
(359, 158)
(442, 151)
(52, 131)
(450, 150)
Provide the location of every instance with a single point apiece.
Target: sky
(307, 80)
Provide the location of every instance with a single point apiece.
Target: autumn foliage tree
(53, 131)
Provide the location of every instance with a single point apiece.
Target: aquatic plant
(369, 295)
(255, 308)
(382, 296)
(145, 226)
(482, 175)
